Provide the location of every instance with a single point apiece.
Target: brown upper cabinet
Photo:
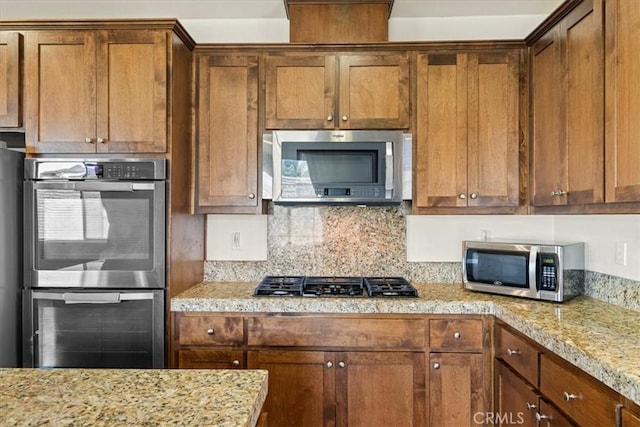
(10, 79)
(346, 91)
(97, 91)
(622, 110)
(227, 134)
(568, 110)
(468, 131)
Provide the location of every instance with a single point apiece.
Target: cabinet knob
(345, 118)
(329, 118)
(88, 140)
(462, 196)
(329, 365)
(251, 196)
(210, 332)
(236, 363)
(102, 141)
(569, 396)
(531, 406)
(436, 366)
(511, 352)
(473, 195)
(341, 364)
(558, 193)
(457, 335)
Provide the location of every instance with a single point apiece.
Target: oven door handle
(93, 297)
(94, 186)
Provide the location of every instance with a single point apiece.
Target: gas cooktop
(334, 286)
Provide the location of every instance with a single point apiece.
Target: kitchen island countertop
(600, 338)
(126, 397)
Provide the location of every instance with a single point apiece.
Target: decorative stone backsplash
(336, 241)
(371, 241)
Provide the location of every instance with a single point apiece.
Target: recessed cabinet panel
(227, 133)
(10, 79)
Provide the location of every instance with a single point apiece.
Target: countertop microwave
(549, 271)
(337, 167)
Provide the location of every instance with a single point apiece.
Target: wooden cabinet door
(301, 386)
(622, 108)
(300, 92)
(456, 389)
(374, 92)
(584, 77)
(227, 144)
(629, 419)
(60, 78)
(516, 401)
(441, 133)
(549, 147)
(10, 79)
(552, 417)
(132, 91)
(381, 389)
(493, 175)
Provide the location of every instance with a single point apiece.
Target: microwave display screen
(498, 268)
(330, 167)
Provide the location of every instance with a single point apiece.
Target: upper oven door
(95, 234)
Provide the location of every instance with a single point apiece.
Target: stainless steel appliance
(334, 286)
(337, 167)
(11, 165)
(94, 263)
(548, 271)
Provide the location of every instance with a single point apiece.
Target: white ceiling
(253, 9)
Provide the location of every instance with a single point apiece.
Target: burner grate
(282, 286)
(389, 287)
(318, 286)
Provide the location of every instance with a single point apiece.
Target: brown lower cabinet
(350, 369)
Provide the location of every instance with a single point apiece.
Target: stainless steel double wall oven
(94, 263)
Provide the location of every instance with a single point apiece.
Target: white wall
(400, 29)
(434, 238)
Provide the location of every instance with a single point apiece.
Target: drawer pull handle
(210, 332)
(329, 365)
(236, 363)
(541, 417)
(531, 406)
(569, 396)
(436, 366)
(457, 335)
(513, 352)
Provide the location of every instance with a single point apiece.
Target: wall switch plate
(621, 253)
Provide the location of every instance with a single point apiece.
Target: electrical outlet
(621, 253)
(235, 240)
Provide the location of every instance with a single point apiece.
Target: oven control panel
(96, 169)
(134, 170)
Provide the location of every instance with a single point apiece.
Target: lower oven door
(93, 329)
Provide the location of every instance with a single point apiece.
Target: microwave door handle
(388, 183)
(533, 270)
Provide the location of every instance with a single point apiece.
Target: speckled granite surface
(127, 397)
(600, 338)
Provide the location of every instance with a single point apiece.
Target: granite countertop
(600, 338)
(126, 397)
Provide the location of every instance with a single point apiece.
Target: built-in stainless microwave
(545, 271)
(338, 167)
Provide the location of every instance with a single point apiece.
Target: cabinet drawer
(211, 359)
(581, 397)
(455, 335)
(328, 332)
(210, 330)
(516, 352)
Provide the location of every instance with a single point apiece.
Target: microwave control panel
(548, 272)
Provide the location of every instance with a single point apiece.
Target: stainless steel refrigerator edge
(11, 184)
